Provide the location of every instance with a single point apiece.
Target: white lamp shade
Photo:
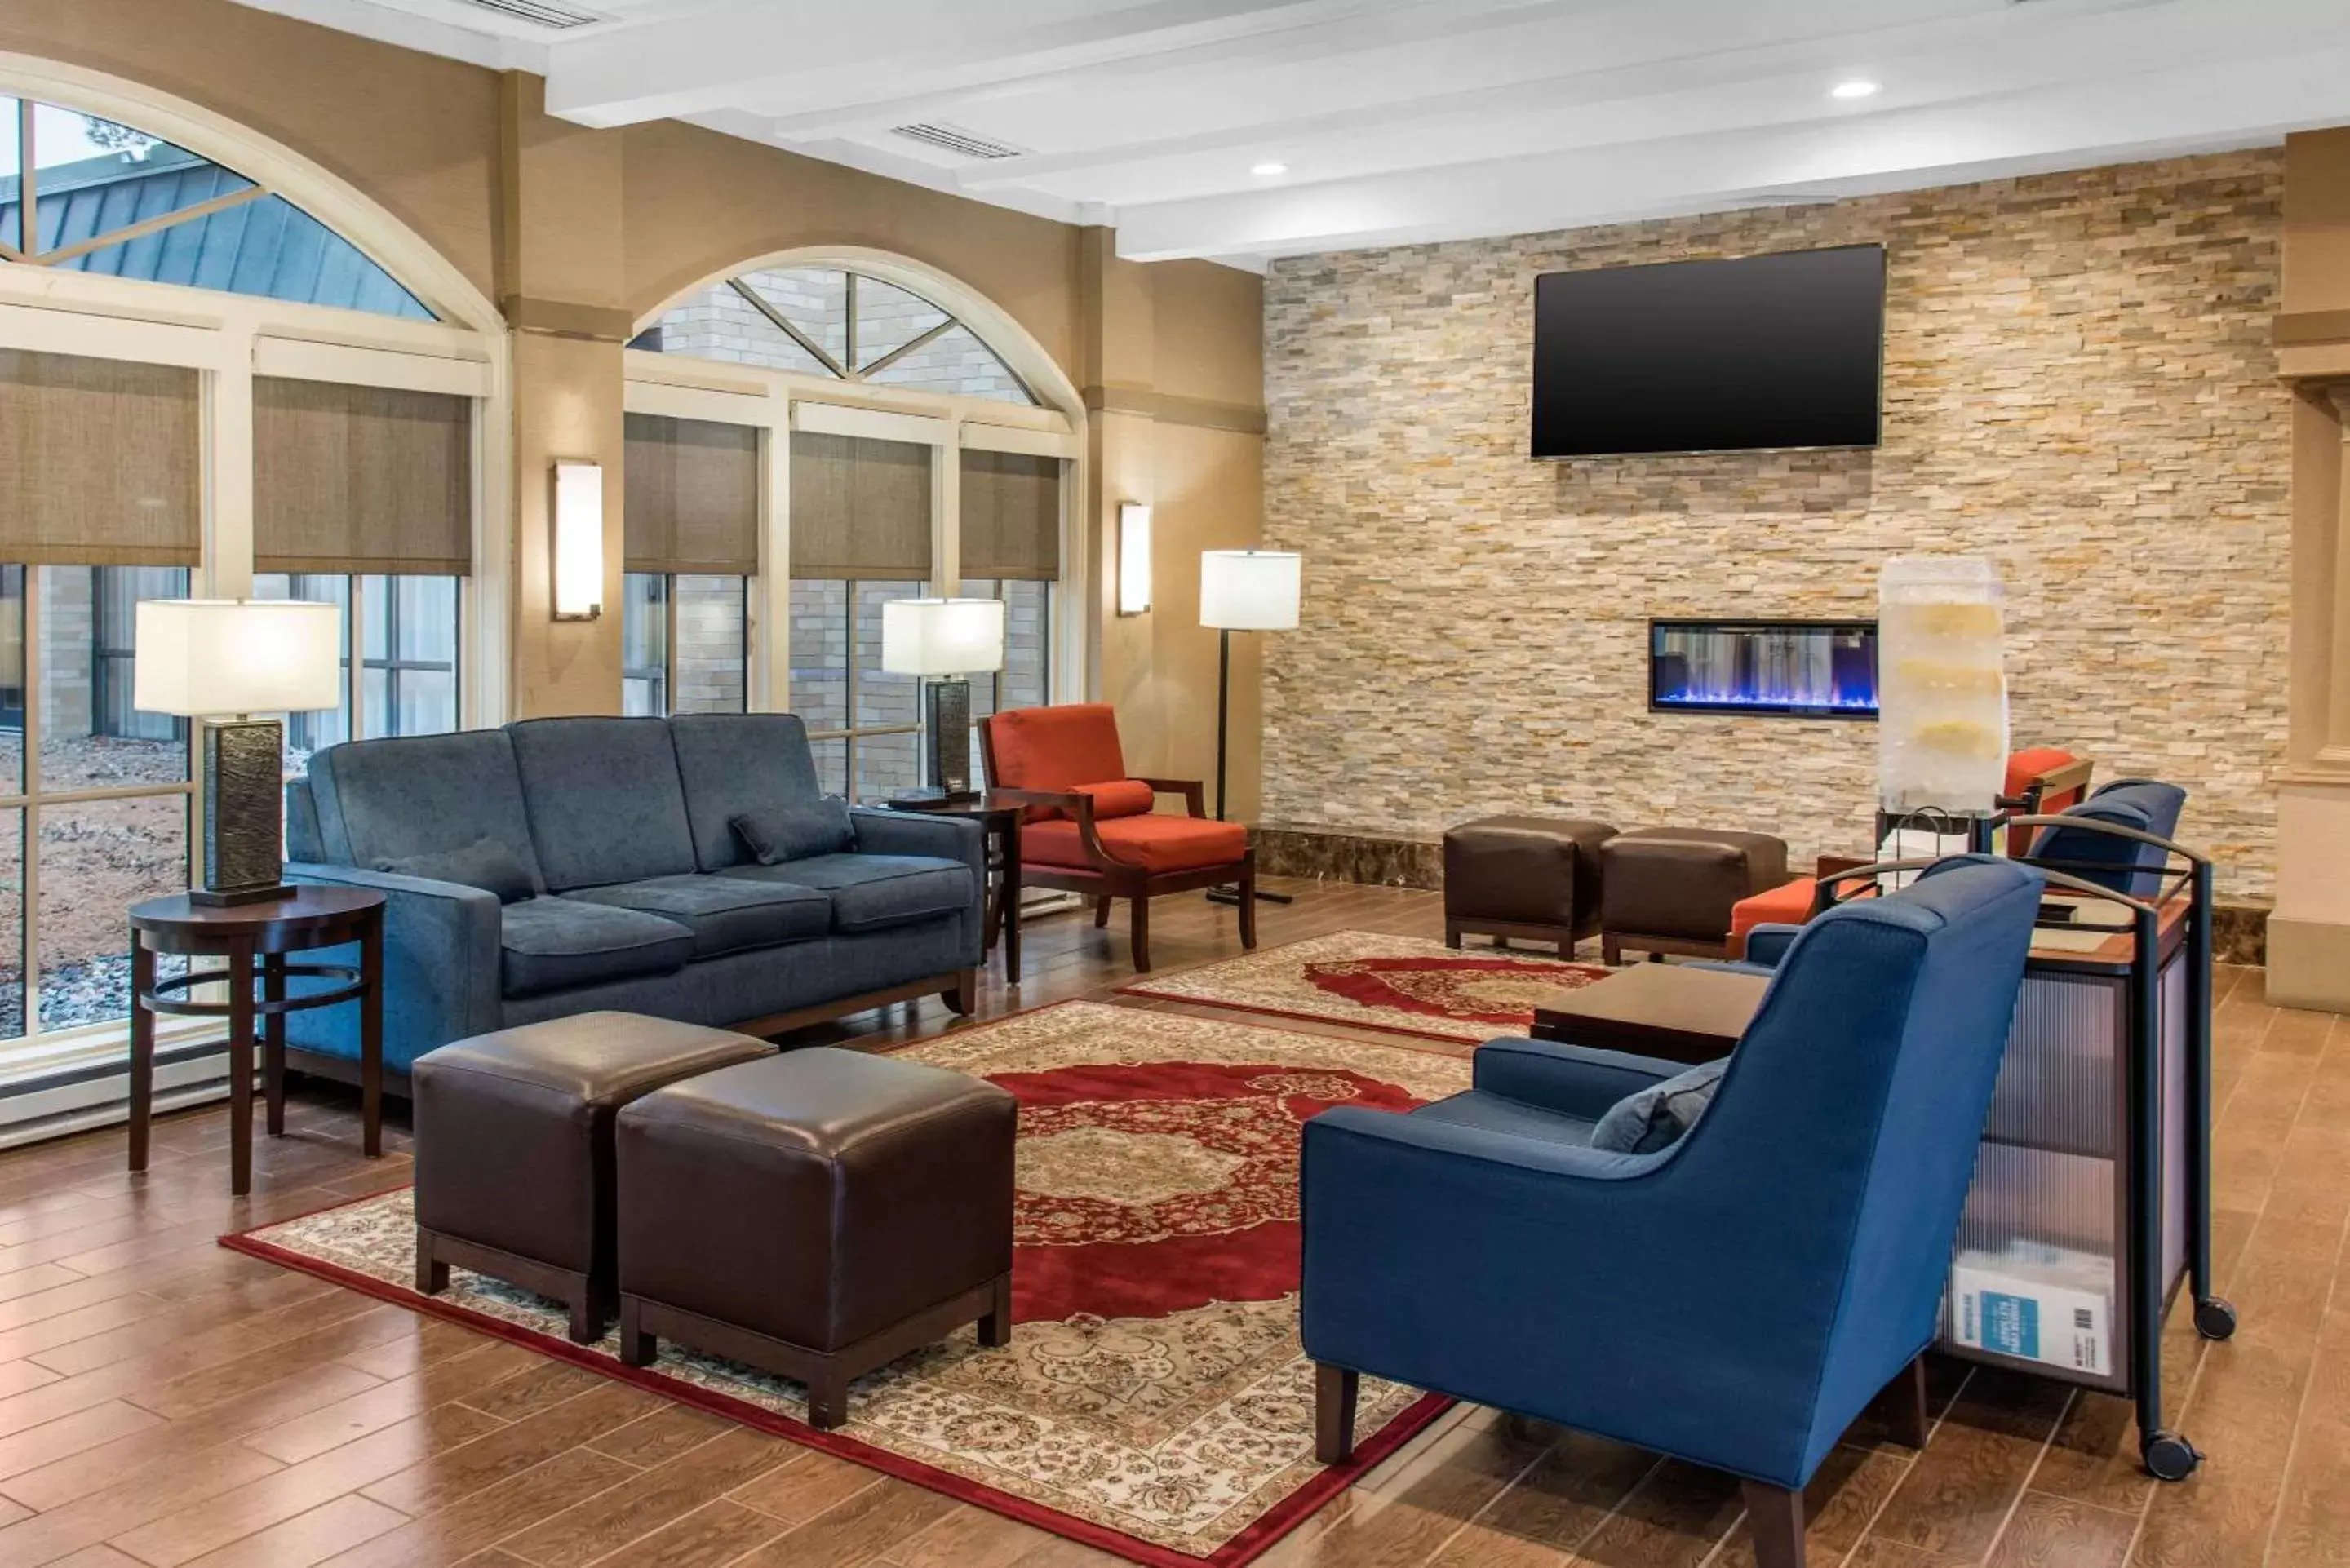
(1249, 590)
(941, 637)
(198, 657)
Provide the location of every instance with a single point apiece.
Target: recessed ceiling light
(1267, 171)
(1853, 89)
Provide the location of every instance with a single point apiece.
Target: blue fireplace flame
(1801, 669)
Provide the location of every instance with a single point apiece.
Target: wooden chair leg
(1775, 1517)
(1610, 953)
(1904, 1404)
(1248, 902)
(586, 1316)
(637, 1348)
(1334, 1388)
(828, 1397)
(1137, 932)
(1101, 911)
(1452, 935)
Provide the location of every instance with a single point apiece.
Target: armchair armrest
(441, 966)
(1766, 944)
(1193, 792)
(1079, 804)
(1573, 1079)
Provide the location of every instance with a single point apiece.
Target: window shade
(693, 497)
(1011, 515)
(860, 507)
(99, 461)
(361, 479)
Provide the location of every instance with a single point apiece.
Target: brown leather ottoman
(1670, 889)
(1531, 877)
(514, 1148)
(817, 1215)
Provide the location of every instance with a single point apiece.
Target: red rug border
(1258, 1537)
(1141, 986)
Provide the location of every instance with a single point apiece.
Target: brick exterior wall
(2078, 383)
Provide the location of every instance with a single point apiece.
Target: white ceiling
(1403, 120)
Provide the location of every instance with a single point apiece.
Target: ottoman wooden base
(591, 1305)
(645, 1323)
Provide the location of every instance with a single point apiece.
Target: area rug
(1154, 1401)
(1404, 985)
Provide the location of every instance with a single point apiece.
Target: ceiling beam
(1941, 58)
(821, 55)
(2187, 108)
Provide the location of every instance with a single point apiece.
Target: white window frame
(231, 339)
(777, 402)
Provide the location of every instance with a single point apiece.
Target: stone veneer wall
(2078, 383)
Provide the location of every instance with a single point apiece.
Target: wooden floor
(165, 1401)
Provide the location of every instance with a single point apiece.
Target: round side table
(243, 934)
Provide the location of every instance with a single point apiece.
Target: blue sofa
(640, 893)
(1733, 1299)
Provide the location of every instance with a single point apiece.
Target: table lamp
(220, 662)
(1243, 590)
(944, 641)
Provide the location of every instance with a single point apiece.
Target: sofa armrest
(1573, 1079)
(880, 832)
(442, 962)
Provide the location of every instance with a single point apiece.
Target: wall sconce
(1133, 558)
(579, 538)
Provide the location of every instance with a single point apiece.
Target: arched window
(901, 454)
(111, 200)
(153, 447)
(838, 324)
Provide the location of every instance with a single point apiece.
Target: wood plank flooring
(163, 1401)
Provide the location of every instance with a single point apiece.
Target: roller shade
(101, 461)
(361, 479)
(693, 497)
(1011, 515)
(860, 507)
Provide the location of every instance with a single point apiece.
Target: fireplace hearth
(1788, 668)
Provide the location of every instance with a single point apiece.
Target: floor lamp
(1242, 591)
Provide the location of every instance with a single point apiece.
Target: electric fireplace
(1799, 668)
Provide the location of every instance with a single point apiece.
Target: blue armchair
(1734, 1300)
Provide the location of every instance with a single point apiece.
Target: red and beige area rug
(1404, 985)
(1154, 1400)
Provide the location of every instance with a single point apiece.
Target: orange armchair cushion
(1073, 746)
(1789, 904)
(1118, 797)
(2023, 769)
(1154, 843)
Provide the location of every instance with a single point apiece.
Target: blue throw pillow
(1659, 1116)
(485, 864)
(781, 833)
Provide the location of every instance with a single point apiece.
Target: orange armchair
(1091, 827)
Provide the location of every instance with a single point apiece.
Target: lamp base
(1229, 893)
(244, 813)
(946, 713)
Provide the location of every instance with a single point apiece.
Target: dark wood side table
(1675, 1012)
(310, 917)
(999, 819)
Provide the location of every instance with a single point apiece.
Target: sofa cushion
(604, 799)
(1659, 1116)
(1155, 843)
(485, 864)
(870, 892)
(731, 763)
(775, 834)
(417, 794)
(726, 914)
(553, 944)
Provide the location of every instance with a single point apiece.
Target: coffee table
(1674, 1012)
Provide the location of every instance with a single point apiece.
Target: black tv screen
(1709, 356)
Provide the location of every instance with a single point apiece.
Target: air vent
(954, 138)
(539, 13)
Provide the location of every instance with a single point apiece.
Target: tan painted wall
(577, 232)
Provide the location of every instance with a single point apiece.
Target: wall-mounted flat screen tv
(1710, 355)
